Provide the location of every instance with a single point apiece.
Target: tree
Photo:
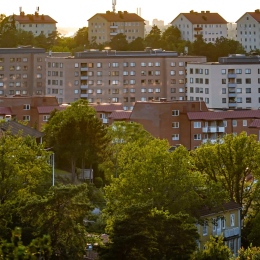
(215, 249)
(60, 214)
(136, 45)
(234, 162)
(81, 37)
(119, 42)
(77, 135)
(120, 134)
(153, 39)
(143, 233)
(170, 38)
(249, 253)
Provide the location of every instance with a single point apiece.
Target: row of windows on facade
(19, 92)
(116, 91)
(117, 31)
(223, 71)
(24, 59)
(250, 47)
(125, 99)
(237, 90)
(99, 25)
(198, 124)
(238, 100)
(201, 25)
(203, 33)
(238, 81)
(116, 64)
(19, 76)
(248, 33)
(37, 25)
(19, 84)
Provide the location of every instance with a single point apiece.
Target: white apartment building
(35, 23)
(118, 77)
(248, 30)
(231, 83)
(205, 24)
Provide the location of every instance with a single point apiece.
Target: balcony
(113, 26)
(105, 120)
(212, 141)
(84, 69)
(83, 77)
(232, 75)
(232, 104)
(198, 28)
(232, 94)
(231, 232)
(84, 95)
(113, 33)
(213, 129)
(84, 87)
(232, 85)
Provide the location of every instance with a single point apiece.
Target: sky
(75, 13)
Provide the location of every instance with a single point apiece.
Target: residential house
(209, 26)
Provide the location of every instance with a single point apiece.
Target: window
(197, 137)
(232, 220)
(244, 122)
(172, 72)
(207, 81)
(150, 64)
(125, 73)
(224, 100)
(26, 118)
(143, 64)
(175, 124)
(205, 228)
(143, 90)
(223, 223)
(248, 81)
(132, 81)
(132, 90)
(175, 137)
(248, 71)
(181, 64)
(132, 99)
(99, 91)
(157, 64)
(239, 100)
(132, 64)
(224, 81)
(76, 65)
(206, 71)
(46, 118)
(26, 107)
(143, 73)
(175, 112)
(248, 100)
(173, 90)
(223, 71)
(234, 123)
(76, 91)
(239, 90)
(99, 65)
(157, 73)
(197, 124)
(206, 90)
(132, 73)
(248, 90)
(99, 82)
(224, 91)
(173, 81)
(125, 64)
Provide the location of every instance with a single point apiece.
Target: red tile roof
(223, 115)
(255, 15)
(107, 107)
(32, 18)
(48, 109)
(203, 18)
(255, 123)
(117, 115)
(120, 17)
(5, 111)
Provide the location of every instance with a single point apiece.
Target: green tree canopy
(119, 42)
(170, 39)
(153, 39)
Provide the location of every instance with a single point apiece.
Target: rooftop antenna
(37, 9)
(114, 6)
(20, 9)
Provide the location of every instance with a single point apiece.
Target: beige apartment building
(35, 23)
(22, 71)
(118, 77)
(231, 83)
(205, 24)
(102, 27)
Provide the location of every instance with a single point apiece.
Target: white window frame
(175, 137)
(175, 112)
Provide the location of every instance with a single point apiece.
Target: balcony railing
(232, 94)
(232, 104)
(84, 95)
(231, 232)
(105, 120)
(113, 26)
(213, 129)
(232, 85)
(83, 77)
(84, 69)
(232, 75)
(212, 141)
(113, 33)
(84, 86)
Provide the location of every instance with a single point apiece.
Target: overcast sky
(76, 13)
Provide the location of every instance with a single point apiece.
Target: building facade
(118, 77)
(104, 26)
(205, 24)
(248, 30)
(22, 71)
(231, 83)
(35, 23)
(190, 123)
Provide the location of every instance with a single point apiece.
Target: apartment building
(225, 221)
(190, 123)
(231, 83)
(118, 77)
(104, 26)
(205, 24)
(22, 71)
(248, 30)
(35, 23)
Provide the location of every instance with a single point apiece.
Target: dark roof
(5, 111)
(120, 17)
(203, 18)
(223, 115)
(225, 207)
(118, 115)
(32, 18)
(16, 128)
(107, 107)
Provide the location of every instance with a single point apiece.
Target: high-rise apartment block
(205, 24)
(102, 27)
(118, 77)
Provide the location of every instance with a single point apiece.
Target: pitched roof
(48, 109)
(255, 15)
(16, 128)
(107, 107)
(225, 207)
(5, 111)
(32, 18)
(119, 17)
(255, 123)
(203, 18)
(223, 115)
(118, 115)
